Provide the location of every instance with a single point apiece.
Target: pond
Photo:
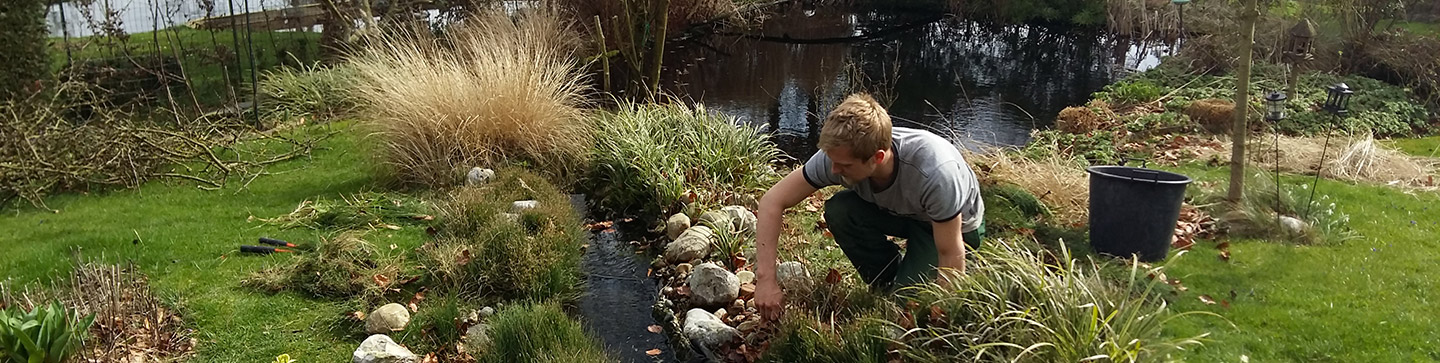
(972, 82)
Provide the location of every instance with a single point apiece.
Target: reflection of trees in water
(960, 78)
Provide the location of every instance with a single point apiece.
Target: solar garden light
(1337, 102)
(1274, 112)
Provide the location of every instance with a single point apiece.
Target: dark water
(971, 82)
(618, 295)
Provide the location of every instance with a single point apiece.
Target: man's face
(849, 167)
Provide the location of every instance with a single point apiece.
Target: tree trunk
(661, 21)
(1242, 101)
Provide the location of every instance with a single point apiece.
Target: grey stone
(676, 225)
(714, 219)
(388, 318)
(486, 312)
(704, 328)
(741, 219)
(693, 244)
(477, 339)
(379, 348)
(523, 205)
(478, 176)
(793, 277)
(712, 285)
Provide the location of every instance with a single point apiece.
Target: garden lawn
(188, 244)
(1364, 300)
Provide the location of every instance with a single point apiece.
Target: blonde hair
(859, 123)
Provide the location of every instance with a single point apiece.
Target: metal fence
(201, 55)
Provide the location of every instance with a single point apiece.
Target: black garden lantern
(1275, 106)
(1337, 100)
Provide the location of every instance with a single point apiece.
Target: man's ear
(878, 157)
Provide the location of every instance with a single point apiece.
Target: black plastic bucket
(1133, 210)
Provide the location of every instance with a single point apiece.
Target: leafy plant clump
(646, 157)
(48, 334)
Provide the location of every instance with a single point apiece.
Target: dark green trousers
(860, 228)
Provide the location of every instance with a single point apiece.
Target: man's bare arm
(950, 245)
(787, 193)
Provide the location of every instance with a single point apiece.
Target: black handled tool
(276, 242)
(264, 250)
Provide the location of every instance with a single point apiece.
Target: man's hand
(769, 299)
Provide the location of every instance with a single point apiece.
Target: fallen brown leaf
(602, 225)
(381, 280)
(654, 329)
(357, 315)
(1207, 300)
(414, 303)
(833, 277)
(464, 257)
(426, 217)
(652, 352)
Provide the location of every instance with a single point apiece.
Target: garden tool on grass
(264, 250)
(303, 247)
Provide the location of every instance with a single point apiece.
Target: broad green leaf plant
(48, 334)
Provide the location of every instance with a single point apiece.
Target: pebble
(745, 276)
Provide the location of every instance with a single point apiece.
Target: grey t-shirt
(932, 180)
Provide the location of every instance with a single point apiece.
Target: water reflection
(966, 80)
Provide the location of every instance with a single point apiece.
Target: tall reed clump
(1019, 304)
(319, 93)
(487, 246)
(647, 156)
(538, 332)
(493, 90)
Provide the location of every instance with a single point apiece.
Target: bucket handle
(1144, 162)
(1155, 175)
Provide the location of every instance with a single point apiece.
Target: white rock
(721, 314)
(703, 327)
(478, 175)
(745, 276)
(523, 205)
(486, 312)
(793, 277)
(1293, 225)
(741, 219)
(676, 225)
(712, 285)
(684, 268)
(388, 318)
(693, 244)
(379, 348)
(714, 219)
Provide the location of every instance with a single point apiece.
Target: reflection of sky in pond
(972, 82)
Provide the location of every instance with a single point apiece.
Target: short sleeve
(944, 193)
(817, 171)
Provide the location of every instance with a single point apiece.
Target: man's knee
(840, 207)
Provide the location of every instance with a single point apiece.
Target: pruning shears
(265, 250)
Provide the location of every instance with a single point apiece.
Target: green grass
(1427, 147)
(209, 58)
(1365, 300)
(189, 243)
(1418, 27)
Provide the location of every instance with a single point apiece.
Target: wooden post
(1242, 101)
